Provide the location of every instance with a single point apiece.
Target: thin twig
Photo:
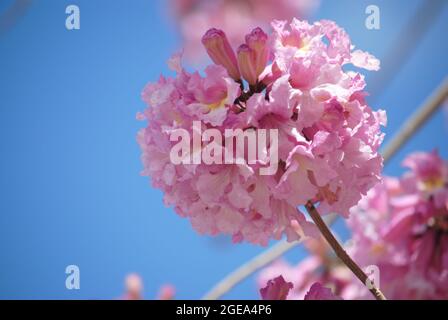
(340, 252)
(255, 264)
(411, 126)
(249, 268)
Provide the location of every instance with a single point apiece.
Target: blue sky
(70, 189)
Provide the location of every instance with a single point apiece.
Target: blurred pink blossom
(276, 289)
(195, 17)
(320, 267)
(319, 292)
(328, 137)
(166, 292)
(133, 287)
(402, 227)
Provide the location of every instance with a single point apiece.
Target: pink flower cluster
(134, 289)
(278, 289)
(195, 17)
(402, 227)
(292, 81)
(320, 270)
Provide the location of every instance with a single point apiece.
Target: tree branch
(340, 252)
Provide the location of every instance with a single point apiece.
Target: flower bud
(257, 41)
(221, 52)
(246, 62)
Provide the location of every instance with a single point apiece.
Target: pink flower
(212, 96)
(276, 289)
(195, 17)
(399, 228)
(365, 60)
(257, 41)
(428, 176)
(134, 287)
(325, 146)
(166, 292)
(220, 51)
(321, 266)
(402, 225)
(299, 277)
(319, 292)
(246, 62)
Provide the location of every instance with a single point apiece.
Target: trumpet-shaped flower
(195, 17)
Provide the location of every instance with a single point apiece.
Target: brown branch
(340, 252)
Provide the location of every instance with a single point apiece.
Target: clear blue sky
(70, 189)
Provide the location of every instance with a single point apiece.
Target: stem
(247, 269)
(340, 252)
(411, 126)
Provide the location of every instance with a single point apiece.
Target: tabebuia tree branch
(341, 253)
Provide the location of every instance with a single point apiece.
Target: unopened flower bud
(257, 41)
(221, 52)
(246, 62)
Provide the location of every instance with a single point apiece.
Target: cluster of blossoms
(134, 289)
(196, 16)
(401, 227)
(279, 289)
(321, 273)
(292, 81)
